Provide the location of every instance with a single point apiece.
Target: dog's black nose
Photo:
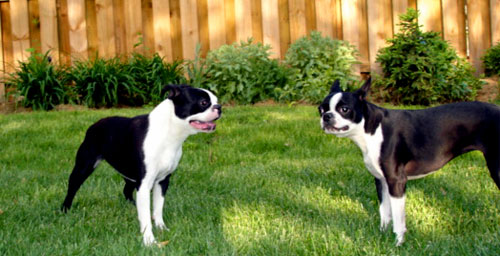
(218, 107)
(327, 117)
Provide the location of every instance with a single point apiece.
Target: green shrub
(40, 84)
(104, 83)
(421, 68)
(244, 73)
(317, 61)
(491, 60)
(150, 75)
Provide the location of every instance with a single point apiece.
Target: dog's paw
(384, 224)
(400, 239)
(148, 239)
(161, 226)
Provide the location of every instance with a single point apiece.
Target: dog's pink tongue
(203, 125)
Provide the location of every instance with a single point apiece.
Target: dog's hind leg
(87, 160)
(493, 162)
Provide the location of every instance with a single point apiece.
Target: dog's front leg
(144, 210)
(397, 187)
(385, 203)
(159, 190)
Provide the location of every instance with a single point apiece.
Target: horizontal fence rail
(79, 29)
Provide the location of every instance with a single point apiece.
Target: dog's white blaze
(398, 215)
(370, 146)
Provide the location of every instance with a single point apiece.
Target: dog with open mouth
(400, 145)
(146, 149)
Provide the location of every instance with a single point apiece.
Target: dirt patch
(10, 108)
(490, 90)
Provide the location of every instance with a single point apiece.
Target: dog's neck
(163, 122)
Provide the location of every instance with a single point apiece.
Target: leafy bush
(491, 60)
(244, 73)
(104, 83)
(149, 76)
(317, 61)
(40, 83)
(421, 68)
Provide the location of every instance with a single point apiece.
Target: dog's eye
(344, 109)
(204, 103)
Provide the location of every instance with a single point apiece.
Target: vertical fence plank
(147, 27)
(161, 29)
(398, 8)
(430, 15)
(298, 27)
(351, 17)
(2, 68)
(479, 31)
(63, 32)
(34, 25)
(230, 21)
(175, 29)
(271, 27)
(495, 21)
(189, 28)
(310, 13)
(380, 29)
(324, 17)
(120, 31)
(133, 26)
(48, 28)
(8, 52)
(203, 27)
(77, 29)
(105, 28)
(257, 20)
(20, 30)
(91, 20)
(454, 25)
(364, 47)
(284, 26)
(243, 19)
(216, 23)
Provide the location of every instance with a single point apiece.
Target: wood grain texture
(20, 30)
(34, 24)
(284, 22)
(479, 32)
(324, 17)
(91, 19)
(495, 21)
(148, 27)
(430, 15)
(454, 25)
(270, 27)
(298, 25)
(105, 28)
(161, 28)
(380, 28)
(133, 26)
(230, 21)
(243, 19)
(49, 36)
(189, 26)
(398, 8)
(257, 20)
(77, 29)
(216, 23)
(63, 32)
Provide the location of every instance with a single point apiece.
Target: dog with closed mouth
(146, 149)
(400, 145)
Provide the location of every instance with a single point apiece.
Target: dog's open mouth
(204, 126)
(335, 129)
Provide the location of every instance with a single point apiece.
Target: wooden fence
(75, 29)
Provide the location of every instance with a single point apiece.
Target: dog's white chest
(370, 146)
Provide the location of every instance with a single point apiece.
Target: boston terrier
(146, 149)
(400, 145)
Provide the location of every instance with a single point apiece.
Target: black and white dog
(146, 149)
(400, 145)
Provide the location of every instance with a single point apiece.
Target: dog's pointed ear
(335, 87)
(171, 90)
(363, 91)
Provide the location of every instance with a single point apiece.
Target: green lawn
(267, 182)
